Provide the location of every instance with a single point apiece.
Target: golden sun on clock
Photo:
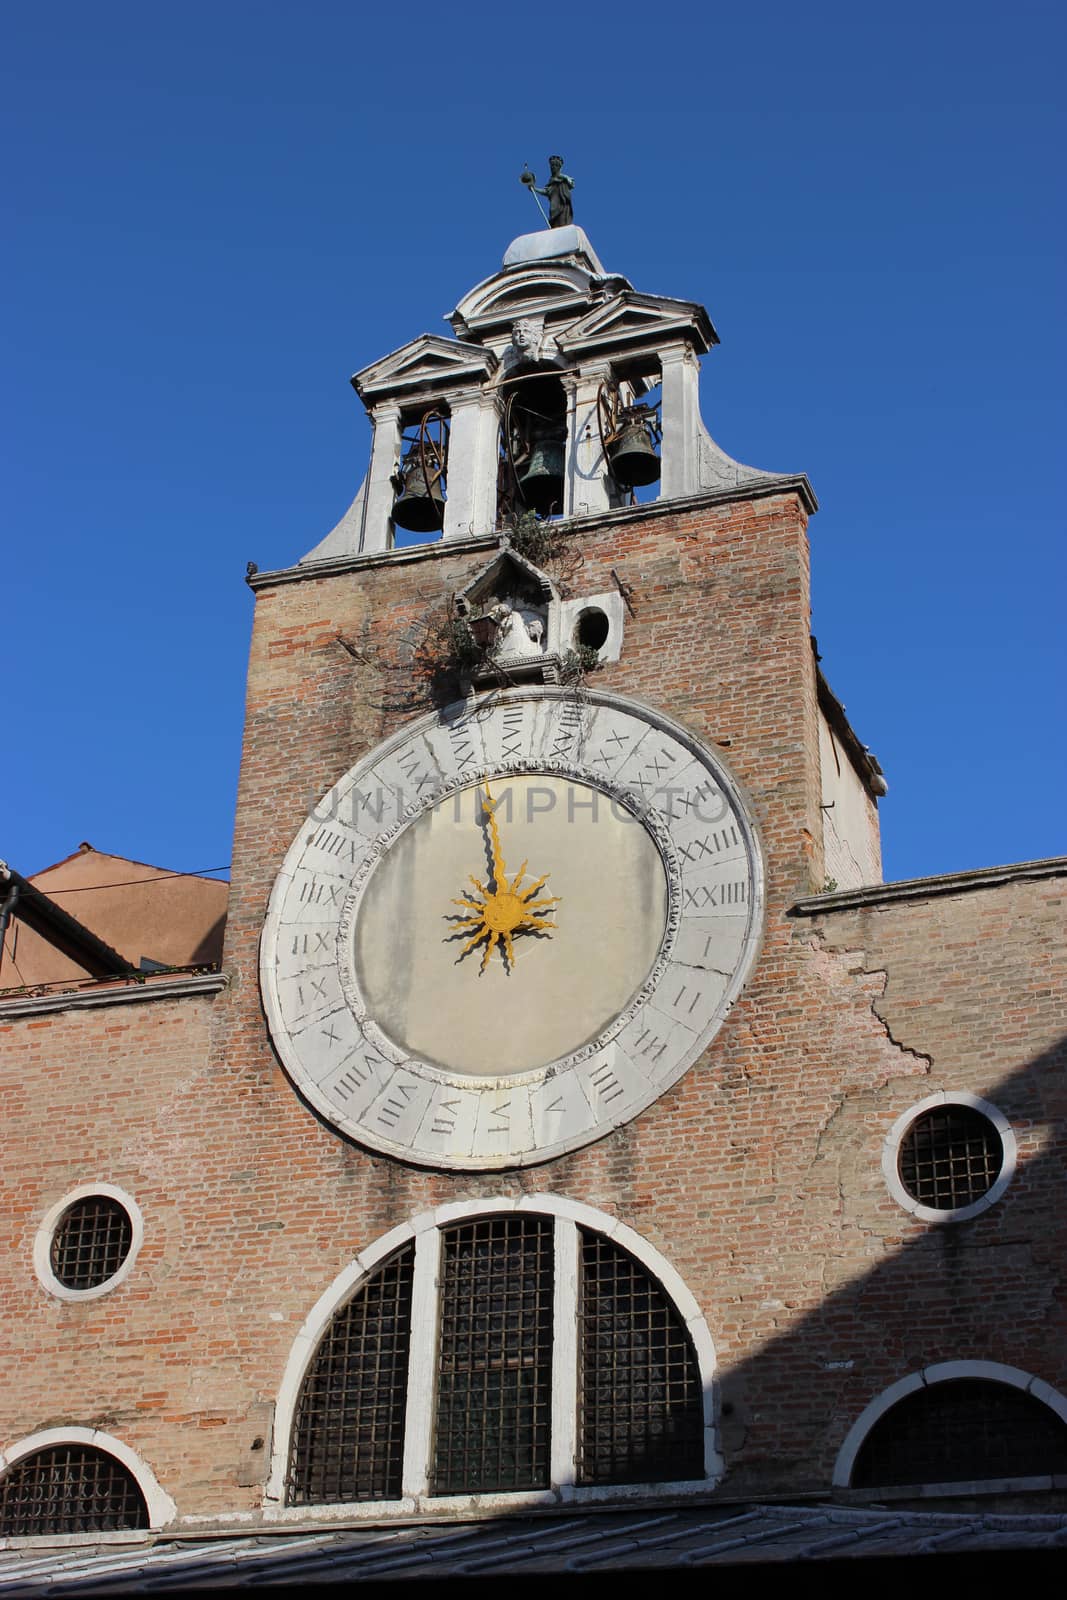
(490, 1015)
(505, 907)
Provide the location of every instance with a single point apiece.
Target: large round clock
(510, 928)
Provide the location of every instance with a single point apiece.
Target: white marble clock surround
(369, 1087)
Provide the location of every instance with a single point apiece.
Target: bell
(541, 482)
(420, 506)
(632, 458)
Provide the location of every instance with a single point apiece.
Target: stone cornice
(33, 1005)
(884, 894)
(757, 489)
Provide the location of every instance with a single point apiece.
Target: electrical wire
(127, 883)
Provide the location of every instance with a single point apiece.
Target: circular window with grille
(949, 1158)
(86, 1245)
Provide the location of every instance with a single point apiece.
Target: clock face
(510, 928)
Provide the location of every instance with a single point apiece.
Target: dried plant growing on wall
(554, 547)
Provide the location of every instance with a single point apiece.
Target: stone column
(680, 451)
(377, 531)
(473, 448)
(587, 486)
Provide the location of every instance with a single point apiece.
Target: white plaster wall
(851, 841)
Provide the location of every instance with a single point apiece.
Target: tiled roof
(661, 1539)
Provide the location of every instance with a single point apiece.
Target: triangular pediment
(629, 320)
(429, 362)
(508, 572)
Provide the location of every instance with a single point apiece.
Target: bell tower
(564, 392)
(577, 639)
(576, 1120)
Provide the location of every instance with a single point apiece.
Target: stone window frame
(569, 1216)
(945, 1372)
(42, 1244)
(891, 1156)
(161, 1508)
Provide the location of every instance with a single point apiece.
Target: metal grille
(950, 1157)
(959, 1432)
(641, 1411)
(348, 1432)
(494, 1402)
(91, 1242)
(69, 1488)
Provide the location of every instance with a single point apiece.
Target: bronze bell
(420, 506)
(541, 480)
(632, 458)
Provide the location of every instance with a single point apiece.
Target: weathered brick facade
(758, 1176)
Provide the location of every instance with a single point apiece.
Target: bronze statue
(557, 191)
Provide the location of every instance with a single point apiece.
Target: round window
(87, 1244)
(91, 1242)
(950, 1157)
(592, 629)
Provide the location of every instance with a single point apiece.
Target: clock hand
(489, 807)
(503, 908)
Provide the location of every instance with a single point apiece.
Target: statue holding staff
(557, 192)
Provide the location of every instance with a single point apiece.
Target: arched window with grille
(77, 1480)
(348, 1436)
(525, 1347)
(958, 1422)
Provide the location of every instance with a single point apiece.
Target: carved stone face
(525, 335)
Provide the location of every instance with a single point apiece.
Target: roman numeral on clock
(716, 895)
(333, 843)
(395, 1104)
(463, 750)
(513, 721)
(413, 770)
(607, 1085)
(319, 892)
(709, 844)
(568, 725)
(444, 1120)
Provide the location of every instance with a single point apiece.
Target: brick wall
(757, 1175)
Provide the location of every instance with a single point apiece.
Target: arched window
(519, 1350)
(967, 1430)
(70, 1487)
(640, 1418)
(494, 1356)
(955, 1424)
(348, 1438)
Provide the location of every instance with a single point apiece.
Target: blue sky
(217, 212)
